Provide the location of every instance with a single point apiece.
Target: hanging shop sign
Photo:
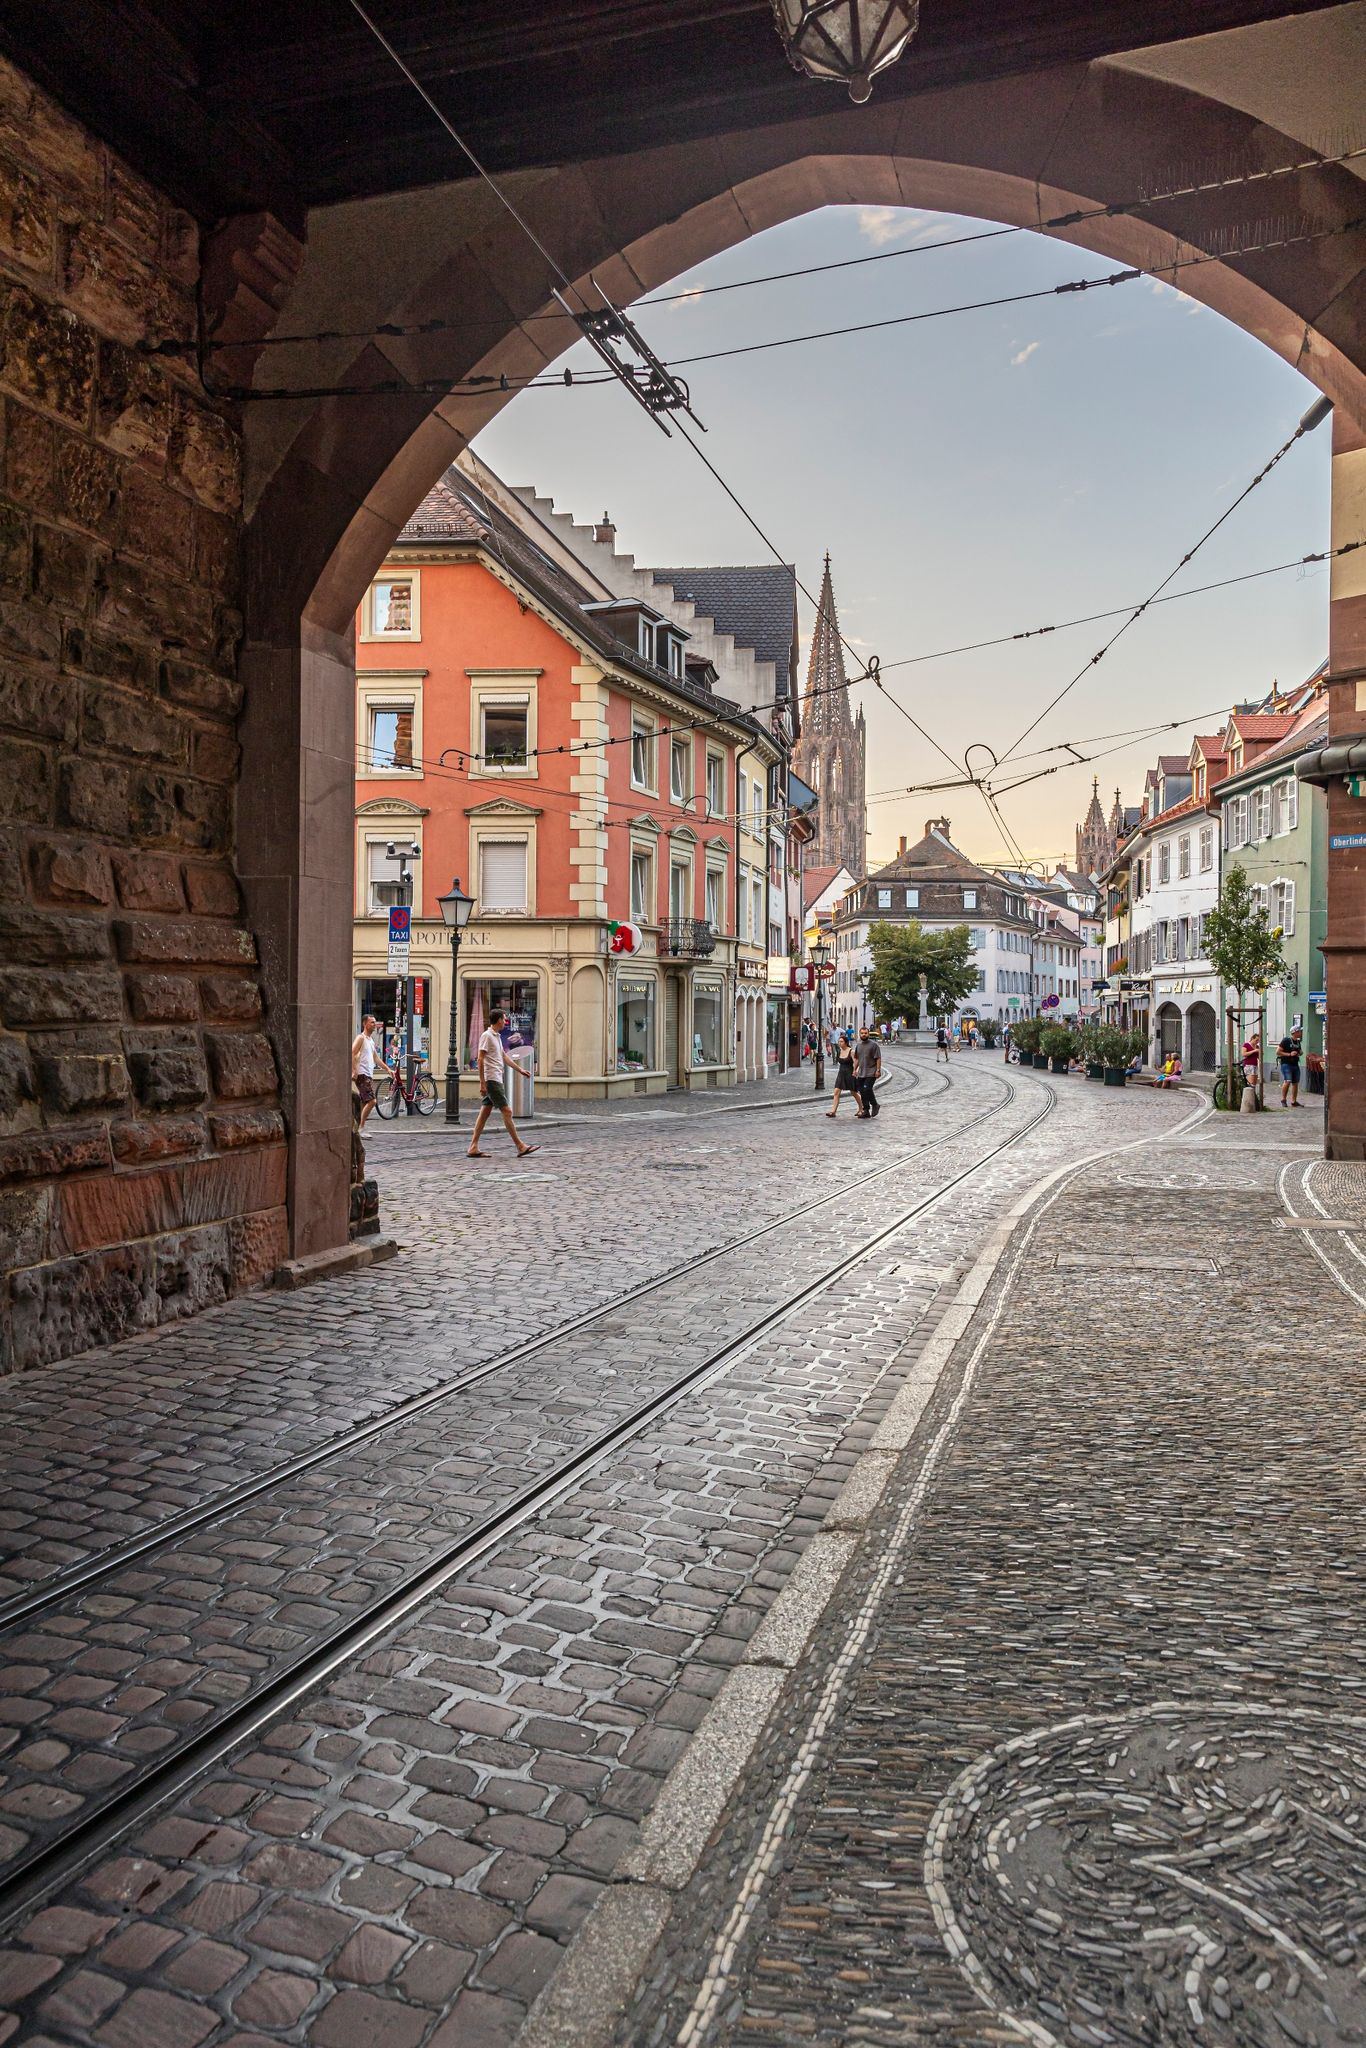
(803, 980)
(624, 937)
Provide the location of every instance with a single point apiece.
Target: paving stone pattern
(408, 1853)
(1101, 1775)
(105, 1446)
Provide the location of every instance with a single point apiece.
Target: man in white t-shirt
(365, 1057)
(493, 1062)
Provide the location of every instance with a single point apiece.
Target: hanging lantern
(851, 40)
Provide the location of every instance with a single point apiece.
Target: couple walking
(857, 1073)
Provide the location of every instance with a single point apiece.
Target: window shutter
(502, 874)
(1292, 803)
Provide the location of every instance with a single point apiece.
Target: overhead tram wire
(1313, 417)
(1119, 209)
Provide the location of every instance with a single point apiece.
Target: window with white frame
(716, 785)
(680, 890)
(388, 748)
(680, 770)
(384, 887)
(912, 899)
(1147, 871)
(1261, 898)
(1261, 813)
(757, 919)
(1183, 855)
(502, 877)
(715, 892)
(884, 899)
(969, 899)
(1285, 806)
(1164, 861)
(642, 752)
(1206, 848)
(642, 885)
(1238, 821)
(392, 608)
(1283, 905)
(505, 733)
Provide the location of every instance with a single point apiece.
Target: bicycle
(420, 1093)
(1221, 1089)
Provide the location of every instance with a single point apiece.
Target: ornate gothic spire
(825, 707)
(1095, 839)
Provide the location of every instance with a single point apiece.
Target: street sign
(1340, 840)
(803, 980)
(1356, 785)
(1049, 1003)
(400, 934)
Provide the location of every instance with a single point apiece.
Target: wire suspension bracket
(627, 354)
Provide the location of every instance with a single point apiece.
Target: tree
(1242, 945)
(902, 953)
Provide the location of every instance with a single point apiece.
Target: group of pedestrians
(858, 1069)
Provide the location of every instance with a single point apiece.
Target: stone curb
(331, 1265)
(583, 2002)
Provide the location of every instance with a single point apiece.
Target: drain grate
(657, 1166)
(1127, 1262)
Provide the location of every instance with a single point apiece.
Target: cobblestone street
(355, 1639)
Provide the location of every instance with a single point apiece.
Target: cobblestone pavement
(1097, 1774)
(403, 1850)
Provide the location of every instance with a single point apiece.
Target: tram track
(90, 1572)
(56, 1861)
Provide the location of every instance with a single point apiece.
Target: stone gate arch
(330, 481)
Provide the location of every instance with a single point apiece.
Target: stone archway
(1202, 1051)
(330, 481)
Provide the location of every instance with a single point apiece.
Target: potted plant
(990, 1028)
(1095, 1066)
(1028, 1032)
(1112, 1049)
(1058, 1043)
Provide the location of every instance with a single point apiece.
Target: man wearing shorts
(493, 1064)
(1288, 1054)
(364, 1059)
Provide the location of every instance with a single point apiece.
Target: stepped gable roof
(454, 509)
(1311, 731)
(756, 605)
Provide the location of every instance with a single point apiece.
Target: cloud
(1025, 353)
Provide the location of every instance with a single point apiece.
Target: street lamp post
(455, 909)
(819, 950)
(402, 852)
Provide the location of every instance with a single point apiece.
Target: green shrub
(1028, 1032)
(1058, 1042)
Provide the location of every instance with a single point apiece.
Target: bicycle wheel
(1221, 1092)
(426, 1095)
(388, 1096)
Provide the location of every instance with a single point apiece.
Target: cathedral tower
(1096, 841)
(830, 752)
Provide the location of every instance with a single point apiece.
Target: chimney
(605, 532)
(939, 825)
(901, 847)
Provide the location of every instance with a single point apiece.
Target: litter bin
(524, 1085)
(1314, 1063)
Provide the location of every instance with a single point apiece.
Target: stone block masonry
(142, 1151)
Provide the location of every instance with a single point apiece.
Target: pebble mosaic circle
(1180, 1874)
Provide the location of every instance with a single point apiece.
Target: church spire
(1095, 839)
(830, 752)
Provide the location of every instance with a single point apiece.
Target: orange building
(561, 752)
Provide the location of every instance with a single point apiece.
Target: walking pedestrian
(867, 1071)
(365, 1057)
(1005, 1040)
(843, 1057)
(493, 1063)
(941, 1039)
(1288, 1053)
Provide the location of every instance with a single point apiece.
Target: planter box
(1094, 1071)
(1114, 1077)
(1041, 1061)
(1057, 1066)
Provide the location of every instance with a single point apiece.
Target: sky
(971, 476)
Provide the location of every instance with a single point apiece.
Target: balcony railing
(687, 938)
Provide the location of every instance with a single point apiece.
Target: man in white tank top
(364, 1059)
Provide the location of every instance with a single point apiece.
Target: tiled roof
(815, 882)
(455, 509)
(1173, 764)
(755, 605)
(1312, 732)
(1259, 725)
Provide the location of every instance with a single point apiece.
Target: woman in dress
(844, 1076)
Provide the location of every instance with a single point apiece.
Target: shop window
(504, 733)
(642, 887)
(502, 876)
(517, 998)
(707, 1040)
(635, 1024)
(390, 740)
(391, 611)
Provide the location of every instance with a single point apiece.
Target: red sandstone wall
(142, 1162)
